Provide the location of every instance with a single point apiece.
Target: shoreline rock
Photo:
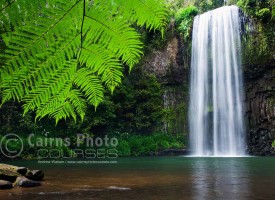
(11, 176)
(22, 181)
(5, 185)
(35, 175)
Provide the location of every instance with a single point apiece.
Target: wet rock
(5, 185)
(36, 175)
(22, 170)
(8, 173)
(167, 63)
(25, 182)
(12, 174)
(260, 112)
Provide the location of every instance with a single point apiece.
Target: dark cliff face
(167, 63)
(259, 81)
(171, 70)
(260, 112)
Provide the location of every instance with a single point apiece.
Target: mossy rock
(8, 175)
(10, 172)
(19, 176)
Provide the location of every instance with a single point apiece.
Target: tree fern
(62, 54)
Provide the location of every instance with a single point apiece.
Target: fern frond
(95, 57)
(19, 83)
(15, 13)
(65, 110)
(146, 13)
(113, 34)
(67, 103)
(90, 85)
(57, 107)
(30, 40)
(50, 86)
(75, 97)
(59, 51)
(151, 13)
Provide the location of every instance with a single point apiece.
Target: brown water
(154, 178)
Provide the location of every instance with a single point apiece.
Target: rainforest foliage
(263, 10)
(61, 58)
(61, 55)
(184, 20)
(136, 106)
(134, 114)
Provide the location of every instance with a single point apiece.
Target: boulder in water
(8, 172)
(35, 175)
(25, 182)
(19, 176)
(22, 170)
(5, 185)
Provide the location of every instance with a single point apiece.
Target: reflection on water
(224, 178)
(155, 178)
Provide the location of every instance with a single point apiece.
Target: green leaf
(61, 54)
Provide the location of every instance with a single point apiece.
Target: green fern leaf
(90, 85)
(61, 54)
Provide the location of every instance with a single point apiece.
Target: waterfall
(215, 110)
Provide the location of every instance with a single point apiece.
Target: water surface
(154, 178)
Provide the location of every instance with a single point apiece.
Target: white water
(215, 112)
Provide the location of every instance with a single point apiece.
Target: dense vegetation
(134, 112)
(62, 55)
(263, 10)
(60, 58)
(184, 19)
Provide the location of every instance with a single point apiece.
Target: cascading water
(215, 112)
